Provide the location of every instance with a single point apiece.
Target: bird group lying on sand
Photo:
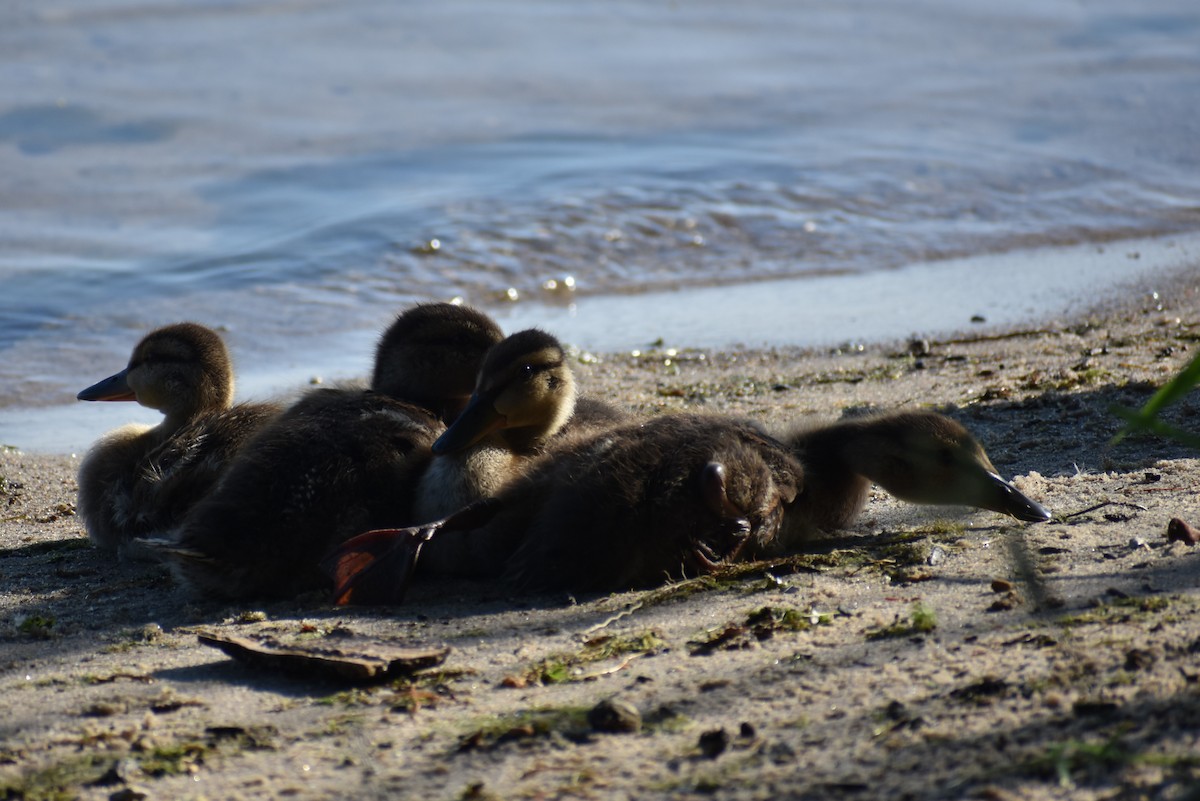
(471, 455)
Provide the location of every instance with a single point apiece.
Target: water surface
(296, 172)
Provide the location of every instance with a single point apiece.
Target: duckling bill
(114, 388)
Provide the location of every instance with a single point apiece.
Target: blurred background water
(295, 172)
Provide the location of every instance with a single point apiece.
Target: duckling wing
(337, 463)
(177, 474)
(107, 477)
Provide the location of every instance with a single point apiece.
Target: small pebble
(1179, 531)
(937, 556)
(919, 347)
(151, 632)
(616, 716)
(130, 793)
(1001, 585)
(105, 709)
(1007, 601)
(713, 743)
(1139, 659)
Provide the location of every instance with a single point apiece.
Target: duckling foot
(715, 489)
(377, 566)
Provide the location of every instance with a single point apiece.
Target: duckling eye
(526, 370)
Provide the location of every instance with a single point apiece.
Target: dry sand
(926, 653)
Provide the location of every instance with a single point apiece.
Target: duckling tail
(168, 551)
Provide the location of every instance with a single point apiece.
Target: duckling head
(923, 457)
(525, 392)
(180, 370)
(431, 355)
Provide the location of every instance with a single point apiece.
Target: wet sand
(932, 653)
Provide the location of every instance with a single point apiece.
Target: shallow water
(296, 172)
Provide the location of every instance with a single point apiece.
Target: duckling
(670, 498)
(524, 399)
(337, 462)
(140, 479)
(430, 355)
(636, 505)
(917, 456)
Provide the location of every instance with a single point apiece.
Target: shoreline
(1024, 289)
(1059, 663)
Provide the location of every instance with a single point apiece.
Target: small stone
(1006, 602)
(105, 709)
(1001, 585)
(615, 716)
(937, 555)
(130, 793)
(1054, 700)
(151, 632)
(919, 347)
(1139, 659)
(713, 743)
(1094, 708)
(123, 771)
(1179, 531)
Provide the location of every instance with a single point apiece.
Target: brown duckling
(337, 462)
(917, 456)
(636, 505)
(524, 402)
(138, 479)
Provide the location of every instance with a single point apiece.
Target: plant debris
(349, 657)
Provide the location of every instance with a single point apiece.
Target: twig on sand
(624, 613)
(1101, 505)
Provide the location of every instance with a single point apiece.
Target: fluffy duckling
(140, 479)
(338, 462)
(919, 457)
(524, 400)
(636, 505)
(670, 498)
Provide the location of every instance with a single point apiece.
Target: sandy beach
(925, 653)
